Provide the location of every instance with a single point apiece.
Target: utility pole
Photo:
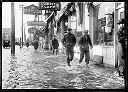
(12, 30)
(22, 25)
(24, 35)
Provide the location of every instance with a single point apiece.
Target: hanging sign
(49, 6)
(32, 10)
(109, 22)
(32, 30)
(38, 23)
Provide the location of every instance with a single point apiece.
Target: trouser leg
(87, 57)
(68, 57)
(81, 55)
(71, 54)
(53, 51)
(56, 51)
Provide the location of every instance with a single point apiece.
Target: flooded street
(32, 69)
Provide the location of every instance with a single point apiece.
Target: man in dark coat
(55, 45)
(122, 48)
(84, 43)
(69, 41)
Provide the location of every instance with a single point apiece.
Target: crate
(98, 59)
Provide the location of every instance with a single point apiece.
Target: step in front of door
(98, 59)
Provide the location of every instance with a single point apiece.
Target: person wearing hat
(121, 35)
(55, 45)
(69, 41)
(84, 43)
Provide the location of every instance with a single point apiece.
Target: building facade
(100, 18)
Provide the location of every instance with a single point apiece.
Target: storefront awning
(61, 12)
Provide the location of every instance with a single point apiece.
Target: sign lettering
(49, 6)
(32, 10)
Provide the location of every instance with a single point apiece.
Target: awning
(61, 12)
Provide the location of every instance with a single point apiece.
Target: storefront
(100, 18)
(104, 39)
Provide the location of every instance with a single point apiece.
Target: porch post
(62, 33)
(115, 37)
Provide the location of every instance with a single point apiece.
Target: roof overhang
(62, 11)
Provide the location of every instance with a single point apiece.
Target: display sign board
(32, 30)
(38, 23)
(32, 10)
(49, 6)
(109, 20)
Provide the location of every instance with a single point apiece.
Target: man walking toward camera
(84, 43)
(69, 41)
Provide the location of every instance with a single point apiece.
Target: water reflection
(30, 71)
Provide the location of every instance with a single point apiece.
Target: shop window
(101, 36)
(73, 21)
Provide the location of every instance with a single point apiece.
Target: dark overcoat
(55, 43)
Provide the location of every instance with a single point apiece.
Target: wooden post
(22, 27)
(24, 35)
(62, 33)
(12, 29)
(115, 37)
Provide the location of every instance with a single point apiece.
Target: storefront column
(86, 17)
(83, 24)
(62, 33)
(51, 32)
(91, 23)
(115, 36)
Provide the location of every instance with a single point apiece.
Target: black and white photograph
(63, 45)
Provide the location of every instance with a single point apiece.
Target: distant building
(6, 34)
